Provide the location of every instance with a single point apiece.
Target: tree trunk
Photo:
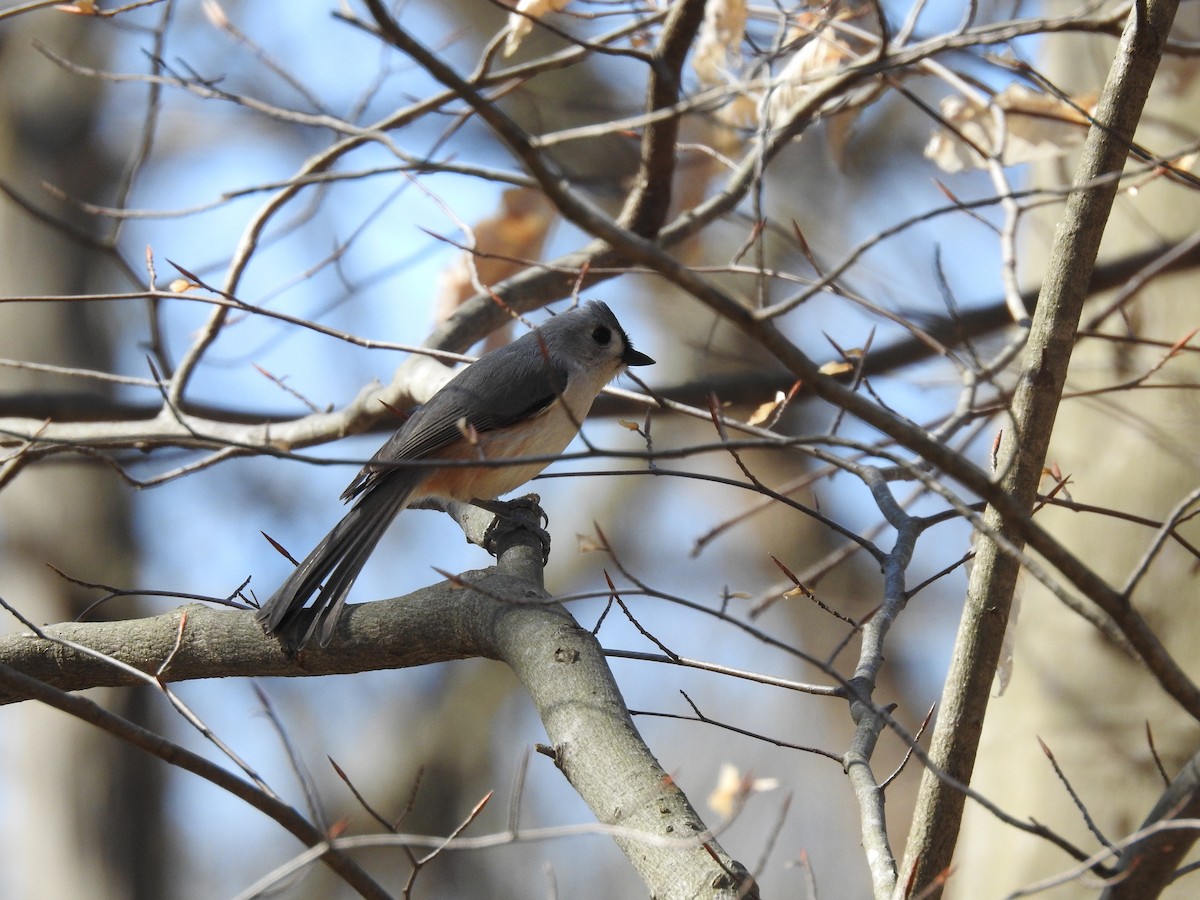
(1132, 451)
(82, 811)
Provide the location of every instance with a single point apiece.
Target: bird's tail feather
(330, 569)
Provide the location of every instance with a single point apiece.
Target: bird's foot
(522, 513)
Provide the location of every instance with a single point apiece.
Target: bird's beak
(632, 357)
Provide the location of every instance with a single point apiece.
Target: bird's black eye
(602, 335)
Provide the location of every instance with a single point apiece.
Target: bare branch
(1044, 369)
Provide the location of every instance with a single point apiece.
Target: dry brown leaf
(79, 8)
(741, 112)
(732, 787)
(587, 544)
(521, 25)
(502, 245)
(1036, 126)
(766, 410)
(1187, 162)
(719, 45)
(837, 367)
(818, 58)
(729, 783)
(717, 60)
(215, 14)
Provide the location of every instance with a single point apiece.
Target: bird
(525, 399)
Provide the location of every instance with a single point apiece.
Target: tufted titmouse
(525, 399)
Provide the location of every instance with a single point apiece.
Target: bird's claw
(520, 513)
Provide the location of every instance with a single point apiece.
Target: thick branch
(433, 624)
(1148, 865)
(497, 616)
(647, 205)
(1023, 451)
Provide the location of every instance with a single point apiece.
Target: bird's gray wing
(505, 386)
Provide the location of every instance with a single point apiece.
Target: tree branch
(1025, 444)
(500, 613)
(1148, 865)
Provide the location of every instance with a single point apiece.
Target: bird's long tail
(330, 570)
